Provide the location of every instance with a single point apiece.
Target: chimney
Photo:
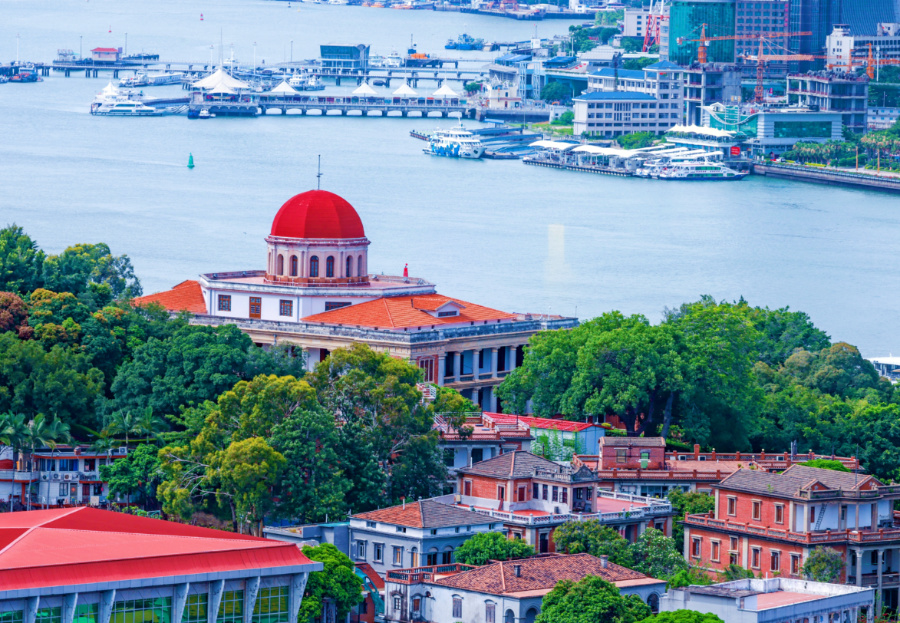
(517, 569)
(604, 561)
(404, 503)
(696, 451)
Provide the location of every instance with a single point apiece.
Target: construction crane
(762, 58)
(654, 23)
(704, 40)
(870, 63)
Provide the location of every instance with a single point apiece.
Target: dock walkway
(832, 177)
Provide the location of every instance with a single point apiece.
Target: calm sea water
(497, 233)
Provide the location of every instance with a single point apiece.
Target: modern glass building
(86, 565)
(686, 20)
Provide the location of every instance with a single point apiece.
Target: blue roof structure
(560, 61)
(512, 58)
(662, 66)
(609, 72)
(615, 95)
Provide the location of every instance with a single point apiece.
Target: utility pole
(292, 50)
(80, 47)
(126, 44)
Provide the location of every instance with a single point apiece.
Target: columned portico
(494, 363)
(457, 366)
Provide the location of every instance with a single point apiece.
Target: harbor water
(498, 233)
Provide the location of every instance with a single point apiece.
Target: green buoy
(191, 161)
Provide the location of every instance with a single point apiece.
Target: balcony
(808, 538)
(19, 475)
(418, 575)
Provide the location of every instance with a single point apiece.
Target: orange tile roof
(424, 514)
(186, 296)
(402, 312)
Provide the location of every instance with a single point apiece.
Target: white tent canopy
(445, 91)
(219, 78)
(283, 89)
(221, 90)
(405, 91)
(364, 90)
(109, 89)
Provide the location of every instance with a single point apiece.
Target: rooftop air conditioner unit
(45, 477)
(55, 476)
(75, 476)
(67, 477)
(123, 450)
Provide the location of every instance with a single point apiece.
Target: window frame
(715, 546)
(755, 557)
(696, 546)
(378, 552)
(779, 512)
(621, 456)
(775, 557)
(314, 266)
(731, 506)
(756, 510)
(286, 305)
(796, 567)
(329, 267)
(223, 302)
(457, 606)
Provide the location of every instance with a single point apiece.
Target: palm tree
(13, 428)
(44, 432)
(125, 423)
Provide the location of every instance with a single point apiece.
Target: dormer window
(448, 313)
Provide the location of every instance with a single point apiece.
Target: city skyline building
(687, 21)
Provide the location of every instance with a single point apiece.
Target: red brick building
(770, 522)
(532, 496)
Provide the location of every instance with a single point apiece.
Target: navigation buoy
(201, 17)
(110, 28)
(191, 161)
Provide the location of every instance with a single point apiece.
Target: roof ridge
(387, 309)
(30, 529)
(502, 577)
(168, 536)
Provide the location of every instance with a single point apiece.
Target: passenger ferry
(143, 79)
(124, 108)
(455, 143)
(690, 171)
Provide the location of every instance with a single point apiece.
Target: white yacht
(393, 60)
(143, 79)
(690, 171)
(124, 107)
(376, 60)
(455, 143)
(297, 81)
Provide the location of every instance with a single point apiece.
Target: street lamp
(877, 62)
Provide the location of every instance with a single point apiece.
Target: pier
(329, 105)
(865, 180)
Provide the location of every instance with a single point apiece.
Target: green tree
(688, 577)
(337, 581)
(691, 503)
(592, 537)
(244, 475)
(21, 261)
(683, 616)
(590, 599)
(13, 432)
(655, 555)
(567, 118)
(313, 486)
(636, 140)
(43, 432)
(137, 474)
(736, 572)
(556, 92)
(826, 464)
(419, 470)
(127, 423)
(485, 546)
(823, 564)
(91, 270)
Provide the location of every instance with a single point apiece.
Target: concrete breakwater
(828, 176)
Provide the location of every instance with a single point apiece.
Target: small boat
(297, 81)
(393, 60)
(464, 42)
(379, 83)
(143, 79)
(313, 83)
(376, 61)
(455, 143)
(205, 114)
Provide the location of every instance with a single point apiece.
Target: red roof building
(318, 292)
(85, 562)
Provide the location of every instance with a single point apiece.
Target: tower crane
(870, 63)
(704, 40)
(654, 24)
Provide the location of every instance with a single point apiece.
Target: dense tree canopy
(337, 581)
(594, 538)
(588, 601)
(485, 546)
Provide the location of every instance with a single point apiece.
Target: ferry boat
(143, 79)
(690, 171)
(124, 108)
(455, 143)
(465, 42)
(393, 60)
(376, 60)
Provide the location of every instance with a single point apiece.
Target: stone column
(859, 563)
(457, 365)
(880, 563)
(442, 369)
(493, 399)
(493, 363)
(512, 354)
(476, 398)
(476, 363)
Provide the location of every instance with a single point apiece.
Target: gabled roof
(186, 296)
(61, 547)
(518, 464)
(105, 50)
(424, 514)
(402, 312)
(831, 478)
(538, 574)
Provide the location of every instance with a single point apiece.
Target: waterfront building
(641, 466)
(709, 84)
(346, 59)
(510, 591)
(772, 130)
(771, 522)
(635, 21)
(832, 91)
(882, 117)
(317, 292)
(106, 54)
(532, 496)
(86, 564)
(687, 20)
(616, 113)
(726, 142)
(888, 367)
(52, 477)
(774, 599)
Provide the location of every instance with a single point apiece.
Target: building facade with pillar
(318, 293)
(769, 523)
(84, 565)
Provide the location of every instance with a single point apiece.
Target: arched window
(329, 267)
(349, 266)
(314, 266)
(279, 268)
(359, 266)
(509, 617)
(653, 602)
(293, 266)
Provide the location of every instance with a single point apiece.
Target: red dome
(317, 214)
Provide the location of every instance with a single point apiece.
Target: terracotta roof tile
(403, 312)
(792, 481)
(424, 514)
(518, 464)
(186, 296)
(539, 573)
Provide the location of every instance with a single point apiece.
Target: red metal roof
(61, 547)
(540, 422)
(399, 312)
(186, 296)
(317, 214)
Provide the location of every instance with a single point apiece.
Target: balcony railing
(826, 536)
(424, 574)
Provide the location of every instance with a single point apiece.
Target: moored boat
(455, 143)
